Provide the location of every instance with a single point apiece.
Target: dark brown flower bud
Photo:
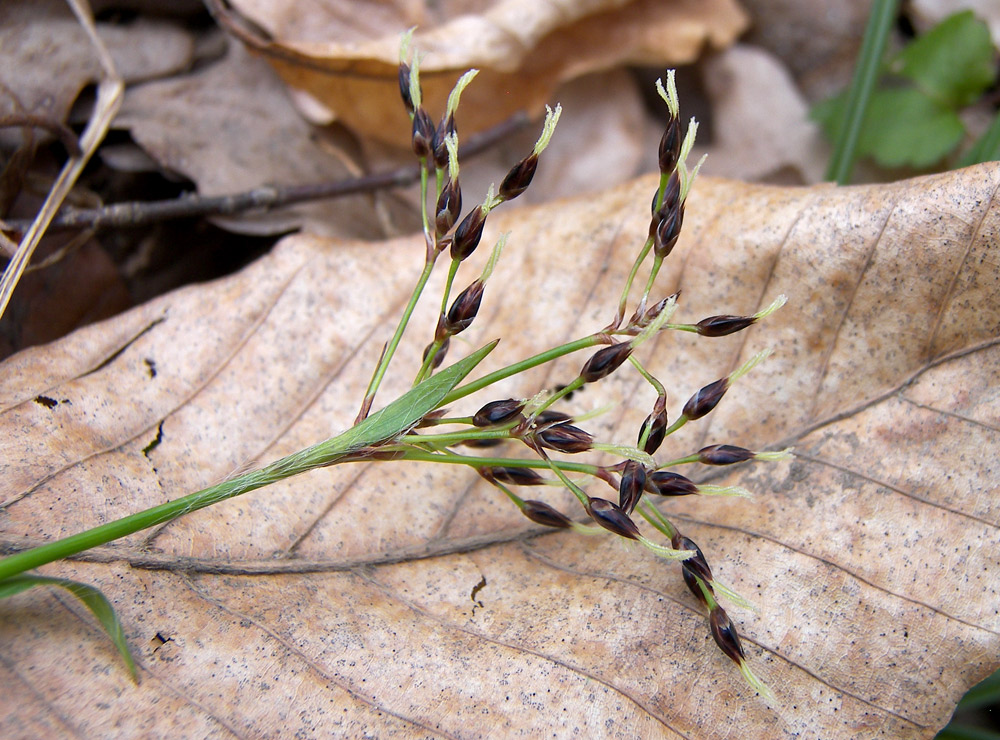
(670, 484)
(440, 149)
(517, 476)
(565, 438)
(723, 455)
(542, 513)
(671, 197)
(519, 177)
(725, 634)
(449, 207)
(657, 427)
(423, 133)
(612, 518)
(706, 399)
(640, 321)
(487, 442)
(438, 356)
(697, 564)
(630, 489)
(668, 231)
(692, 583)
(605, 361)
(468, 234)
(550, 417)
(497, 412)
(404, 86)
(465, 307)
(723, 326)
(670, 145)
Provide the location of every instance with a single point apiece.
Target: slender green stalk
(382, 426)
(880, 22)
(519, 367)
(404, 320)
(640, 258)
(505, 462)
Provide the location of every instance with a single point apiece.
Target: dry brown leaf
(761, 129)
(818, 40)
(230, 128)
(346, 55)
(343, 602)
(48, 59)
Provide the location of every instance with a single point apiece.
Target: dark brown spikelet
(725, 634)
(541, 513)
(723, 326)
(612, 518)
(670, 146)
(449, 207)
(549, 416)
(631, 485)
(565, 438)
(439, 356)
(670, 484)
(723, 454)
(697, 564)
(483, 443)
(464, 308)
(658, 426)
(497, 412)
(517, 476)
(706, 399)
(668, 231)
(404, 86)
(440, 149)
(605, 361)
(671, 197)
(468, 234)
(692, 583)
(519, 177)
(423, 133)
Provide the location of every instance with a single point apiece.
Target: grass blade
(91, 597)
(880, 22)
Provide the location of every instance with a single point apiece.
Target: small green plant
(911, 116)
(418, 427)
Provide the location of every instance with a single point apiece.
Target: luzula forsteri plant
(417, 426)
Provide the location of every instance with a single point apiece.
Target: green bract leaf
(91, 597)
(905, 127)
(953, 62)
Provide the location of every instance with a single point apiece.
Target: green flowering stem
(475, 461)
(404, 320)
(519, 367)
(354, 444)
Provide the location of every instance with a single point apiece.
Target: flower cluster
(637, 477)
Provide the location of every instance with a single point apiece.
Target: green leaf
(986, 149)
(829, 114)
(962, 732)
(984, 693)
(411, 407)
(953, 62)
(92, 598)
(905, 127)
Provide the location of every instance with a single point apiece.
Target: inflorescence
(532, 421)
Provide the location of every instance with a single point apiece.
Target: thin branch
(110, 91)
(142, 213)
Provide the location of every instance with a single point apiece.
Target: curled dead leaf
(340, 601)
(346, 56)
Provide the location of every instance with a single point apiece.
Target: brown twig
(142, 213)
(61, 131)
